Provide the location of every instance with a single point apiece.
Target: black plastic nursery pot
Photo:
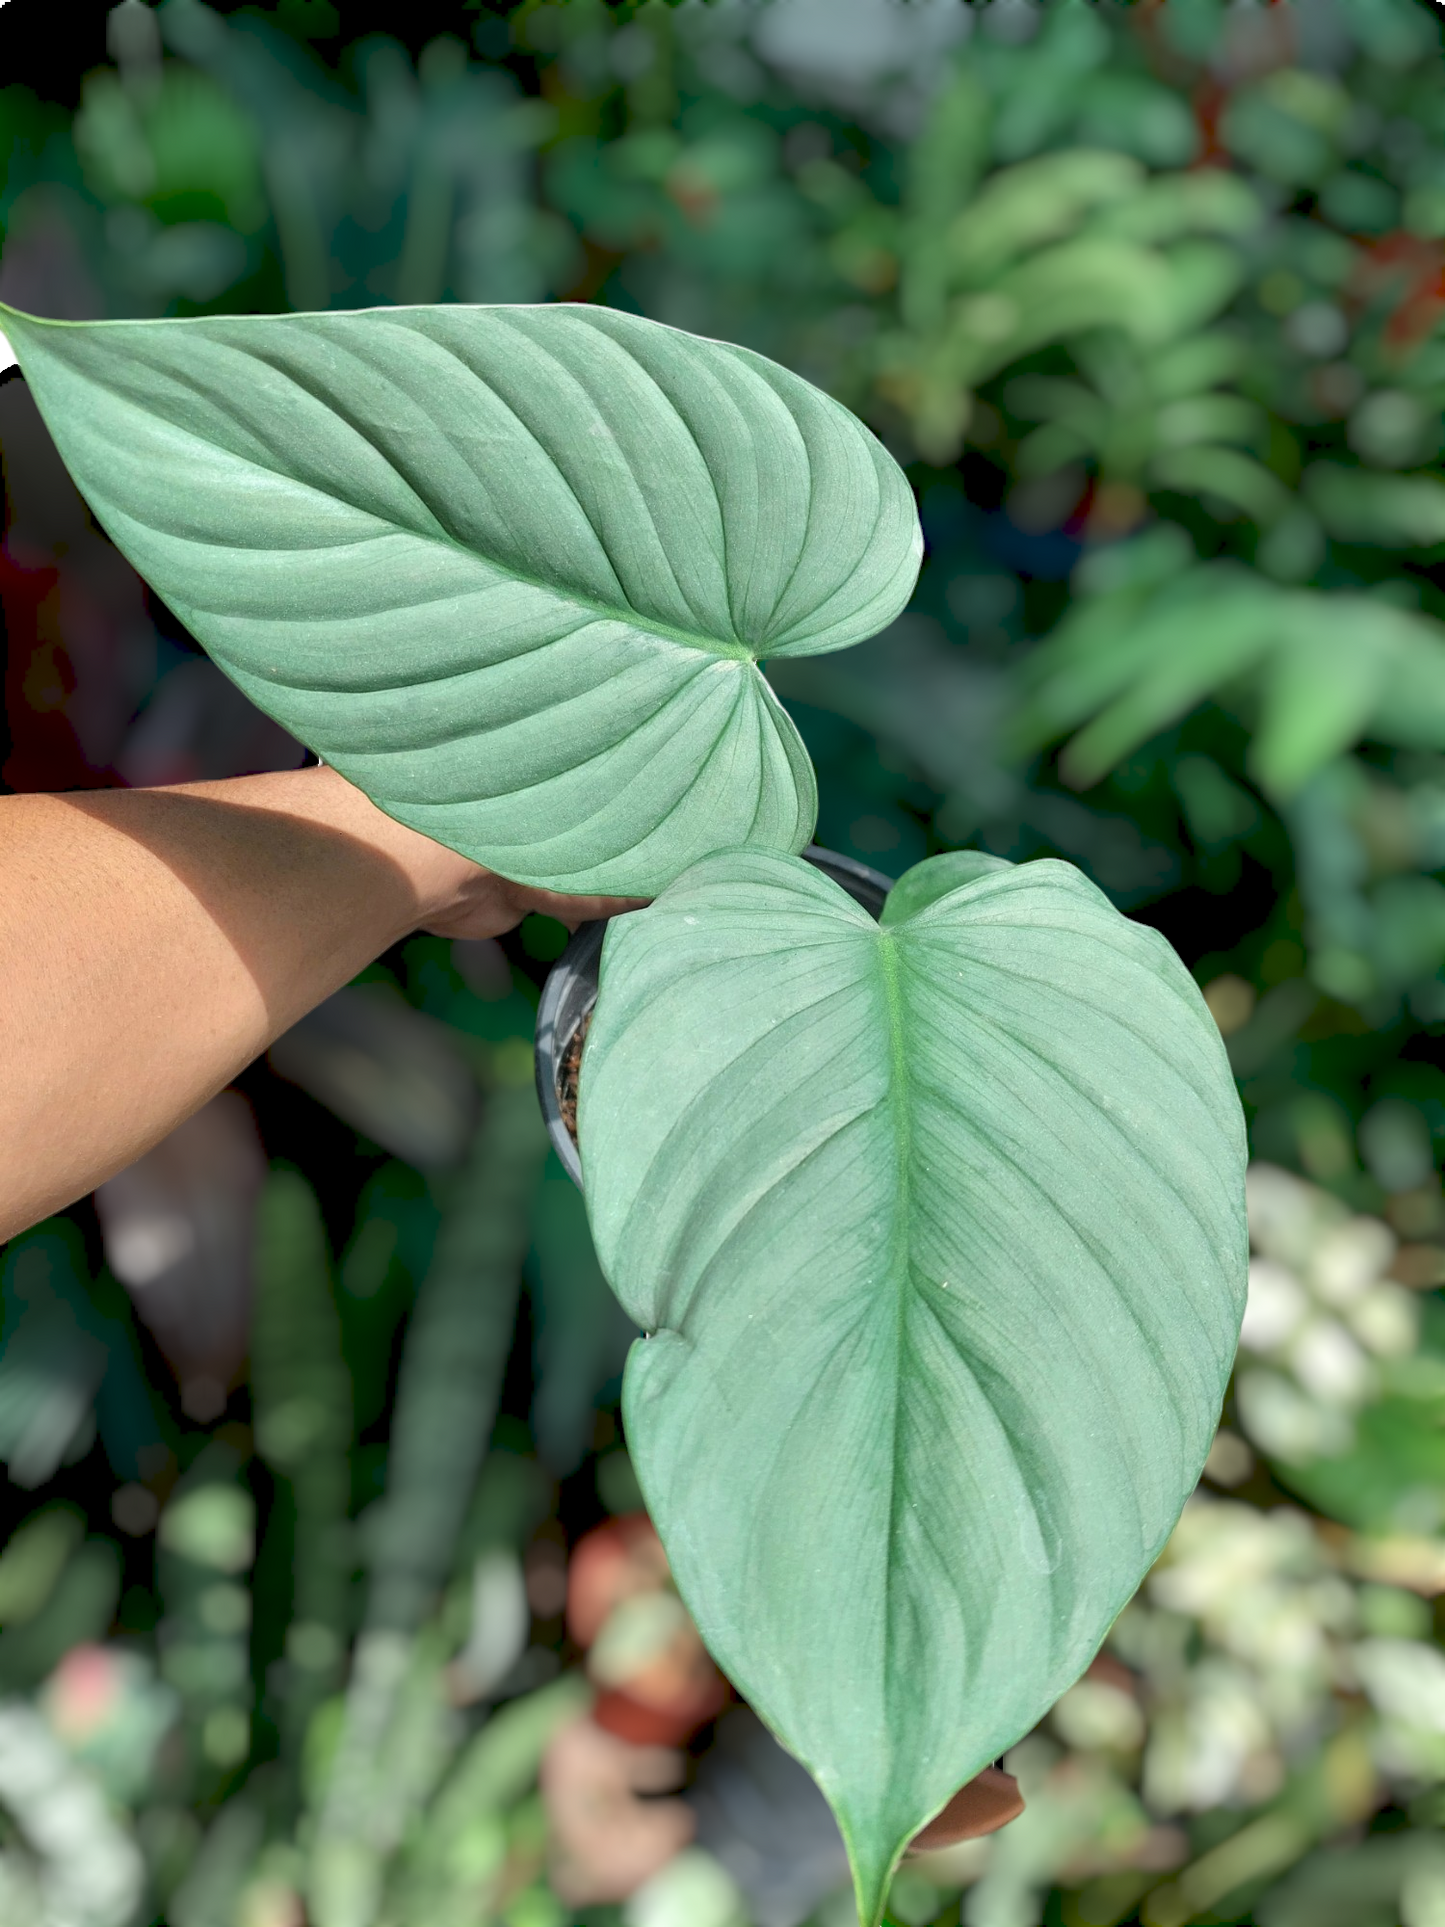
(571, 990)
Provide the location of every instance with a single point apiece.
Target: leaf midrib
(900, 1269)
(733, 649)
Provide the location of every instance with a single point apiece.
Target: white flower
(1328, 1363)
(1349, 1258)
(1286, 1424)
(1405, 1680)
(1276, 1306)
(1387, 1319)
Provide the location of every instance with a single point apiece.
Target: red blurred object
(80, 647)
(606, 1840)
(627, 1719)
(1109, 1671)
(989, 1801)
(1211, 97)
(83, 1691)
(614, 1562)
(1417, 268)
(92, 696)
(675, 1691)
(667, 1724)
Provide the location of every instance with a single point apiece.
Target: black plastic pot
(571, 990)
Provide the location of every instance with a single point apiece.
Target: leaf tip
(872, 1867)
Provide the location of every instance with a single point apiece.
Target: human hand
(454, 897)
(484, 904)
(155, 942)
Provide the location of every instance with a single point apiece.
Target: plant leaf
(937, 1231)
(1319, 685)
(1388, 511)
(1239, 481)
(934, 878)
(1207, 200)
(510, 569)
(1328, 669)
(1034, 202)
(1184, 653)
(1065, 290)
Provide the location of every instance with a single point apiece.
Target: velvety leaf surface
(937, 1231)
(510, 570)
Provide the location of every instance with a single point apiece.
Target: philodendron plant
(934, 1225)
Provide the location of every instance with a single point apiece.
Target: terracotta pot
(614, 1562)
(629, 1719)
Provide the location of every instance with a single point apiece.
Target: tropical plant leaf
(580, 1335)
(936, 1229)
(1197, 363)
(301, 1397)
(510, 570)
(943, 170)
(1237, 480)
(1211, 418)
(1319, 687)
(1207, 200)
(1329, 670)
(448, 1388)
(1389, 511)
(453, 1361)
(1032, 203)
(925, 883)
(1060, 291)
(1203, 277)
(1130, 663)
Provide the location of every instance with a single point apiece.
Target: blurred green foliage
(1150, 299)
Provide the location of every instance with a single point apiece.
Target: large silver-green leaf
(508, 569)
(936, 1229)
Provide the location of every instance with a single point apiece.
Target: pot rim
(571, 990)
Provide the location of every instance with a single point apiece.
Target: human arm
(154, 942)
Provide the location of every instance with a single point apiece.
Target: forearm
(153, 942)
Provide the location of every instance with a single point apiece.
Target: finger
(578, 910)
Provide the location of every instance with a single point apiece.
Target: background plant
(1178, 623)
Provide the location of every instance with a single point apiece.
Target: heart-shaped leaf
(509, 569)
(937, 1232)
